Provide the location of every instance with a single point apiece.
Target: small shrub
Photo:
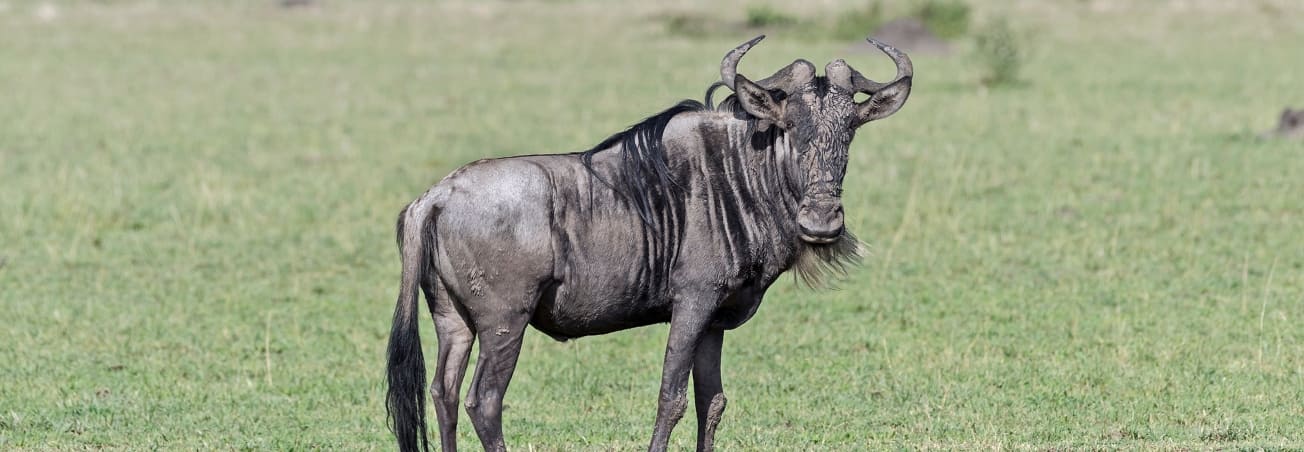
(858, 23)
(759, 16)
(997, 48)
(945, 18)
(687, 25)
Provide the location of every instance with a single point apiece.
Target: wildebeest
(686, 217)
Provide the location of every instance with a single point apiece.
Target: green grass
(949, 19)
(197, 202)
(998, 48)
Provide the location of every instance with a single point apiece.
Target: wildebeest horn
(850, 79)
(785, 79)
(729, 66)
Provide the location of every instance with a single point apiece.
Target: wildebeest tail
(406, 401)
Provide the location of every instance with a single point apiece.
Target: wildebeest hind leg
(500, 345)
(455, 339)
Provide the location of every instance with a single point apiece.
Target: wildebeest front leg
(686, 328)
(707, 390)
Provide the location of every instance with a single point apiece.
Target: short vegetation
(764, 15)
(1000, 53)
(857, 22)
(948, 19)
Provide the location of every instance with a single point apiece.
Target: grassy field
(197, 203)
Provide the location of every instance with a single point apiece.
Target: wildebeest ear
(884, 102)
(758, 101)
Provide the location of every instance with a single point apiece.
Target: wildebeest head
(820, 116)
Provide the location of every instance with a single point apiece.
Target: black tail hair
(405, 403)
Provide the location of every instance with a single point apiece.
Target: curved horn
(729, 66)
(905, 69)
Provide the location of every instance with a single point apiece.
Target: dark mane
(763, 137)
(643, 171)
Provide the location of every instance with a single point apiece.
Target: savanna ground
(197, 203)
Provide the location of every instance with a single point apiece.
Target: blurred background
(1085, 226)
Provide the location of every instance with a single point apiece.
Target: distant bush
(688, 25)
(945, 18)
(858, 23)
(762, 15)
(696, 26)
(998, 49)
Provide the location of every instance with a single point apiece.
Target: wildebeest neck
(773, 176)
(644, 177)
(738, 181)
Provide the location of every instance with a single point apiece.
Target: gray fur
(687, 218)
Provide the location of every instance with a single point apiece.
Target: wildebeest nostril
(821, 224)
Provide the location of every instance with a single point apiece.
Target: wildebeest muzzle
(820, 218)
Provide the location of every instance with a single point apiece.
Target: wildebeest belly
(564, 312)
(610, 270)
